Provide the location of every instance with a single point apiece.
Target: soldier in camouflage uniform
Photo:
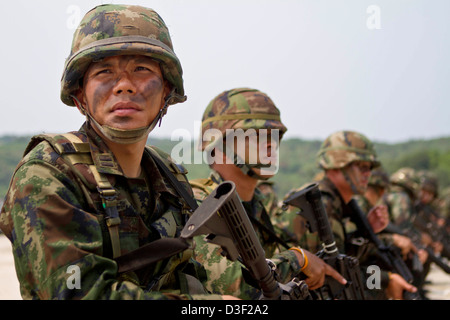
(401, 196)
(79, 200)
(413, 256)
(427, 212)
(347, 158)
(251, 111)
(427, 199)
(402, 200)
(378, 185)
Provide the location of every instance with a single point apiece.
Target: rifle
(224, 220)
(437, 234)
(389, 255)
(417, 242)
(309, 201)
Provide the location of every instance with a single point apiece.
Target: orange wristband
(305, 258)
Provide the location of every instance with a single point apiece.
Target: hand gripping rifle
(437, 234)
(224, 220)
(309, 201)
(389, 255)
(415, 238)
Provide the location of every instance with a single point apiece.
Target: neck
(245, 185)
(129, 156)
(336, 176)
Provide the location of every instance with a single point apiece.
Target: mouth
(125, 108)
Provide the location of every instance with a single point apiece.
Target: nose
(124, 84)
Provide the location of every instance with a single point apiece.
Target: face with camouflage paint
(357, 175)
(124, 92)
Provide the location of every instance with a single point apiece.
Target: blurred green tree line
(297, 164)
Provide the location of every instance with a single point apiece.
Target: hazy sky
(378, 67)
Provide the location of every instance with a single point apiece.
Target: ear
(78, 99)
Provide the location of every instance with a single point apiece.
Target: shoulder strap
(190, 201)
(75, 151)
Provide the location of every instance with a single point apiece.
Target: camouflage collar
(103, 158)
(106, 162)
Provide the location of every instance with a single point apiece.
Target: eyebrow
(102, 65)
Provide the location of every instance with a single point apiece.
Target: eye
(102, 71)
(142, 68)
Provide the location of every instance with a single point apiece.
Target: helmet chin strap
(352, 185)
(122, 136)
(248, 168)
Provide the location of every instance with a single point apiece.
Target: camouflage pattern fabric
(407, 180)
(111, 30)
(270, 201)
(343, 147)
(400, 206)
(294, 226)
(347, 237)
(340, 224)
(443, 203)
(379, 178)
(225, 276)
(240, 108)
(54, 217)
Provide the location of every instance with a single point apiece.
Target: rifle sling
(162, 248)
(269, 232)
(150, 253)
(190, 201)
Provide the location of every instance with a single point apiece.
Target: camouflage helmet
(241, 108)
(406, 178)
(428, 182)
(344, 147)
(379, 178)
(111, 30)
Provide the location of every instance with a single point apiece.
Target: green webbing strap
(81, 154)
(345, 148)
(246, 116)
(109, 199)
(106, 191)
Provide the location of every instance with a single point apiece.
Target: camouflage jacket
(55, 219)
(347, 238)
(400, 206)
(334, 206)
(225, 276)
(277, 215)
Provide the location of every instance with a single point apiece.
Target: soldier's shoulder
(48, 147)
(167, 159)
(202, 187)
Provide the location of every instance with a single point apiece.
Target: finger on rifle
(329, 270)
(315, 283)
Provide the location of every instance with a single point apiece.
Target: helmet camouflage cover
(379, 178)
(429, 182)
(111, 30)
(406, 178)
(344, 147)
(241, 108)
